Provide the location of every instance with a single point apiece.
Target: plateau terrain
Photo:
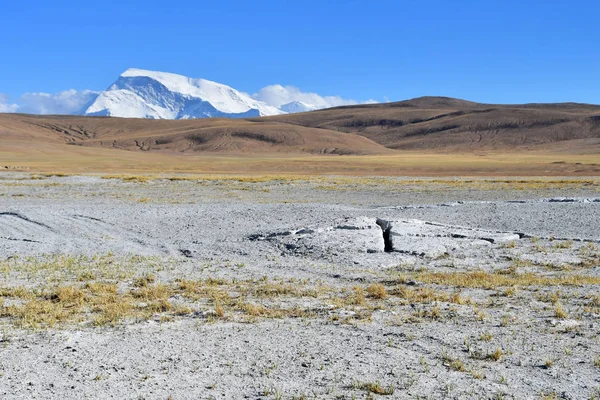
(195, 286)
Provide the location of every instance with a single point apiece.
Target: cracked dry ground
(233, 287)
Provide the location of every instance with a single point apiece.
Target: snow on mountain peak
(297, 107)
(141, 93)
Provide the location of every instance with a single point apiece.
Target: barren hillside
(198, 135)
(436, 124)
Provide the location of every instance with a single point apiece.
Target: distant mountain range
(140, 93)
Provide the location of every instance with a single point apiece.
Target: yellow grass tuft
(559, 311)
(377, 291)
(496, 355)
(487, 280)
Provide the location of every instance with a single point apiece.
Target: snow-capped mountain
(160, 95)
(297, 107)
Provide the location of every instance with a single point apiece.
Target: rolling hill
(227, 136)
(446, 124)
(429, 124)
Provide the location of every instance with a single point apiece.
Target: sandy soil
(282, 289)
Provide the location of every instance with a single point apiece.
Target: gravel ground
(491, 290)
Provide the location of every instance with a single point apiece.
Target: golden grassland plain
(337, 183)
(45, 157)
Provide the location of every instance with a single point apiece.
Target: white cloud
(65, 102)
(5, 106)
(278, 95)
(72, 101)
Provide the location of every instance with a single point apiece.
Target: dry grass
(130, 178)
(375, 388)
(559, 311)
(144, 281)
(480, 315)
(355, 297)
(496, 355)
(109, 303)
(377, 291)
(109, 290)
(489, 280)
(61, 159)
(340, 183)
(486, 337)
(563, 244)
(594, 301)
(62, 268)
(428, 295)
(457, 365)
(95, 303)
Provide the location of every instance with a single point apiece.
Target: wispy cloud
(72, 101)
(6, 106)
(65, 102)
(277, 95)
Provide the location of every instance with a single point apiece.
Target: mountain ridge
(139, 93)
(297, 107)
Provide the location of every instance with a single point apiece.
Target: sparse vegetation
(375, 388)
(559, 311)
(487, 280)
(377, 291)
(490, 312)
(564, 244)
(496, 355)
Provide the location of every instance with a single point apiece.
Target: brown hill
(200, 135)
(438, 124)
(441, 123)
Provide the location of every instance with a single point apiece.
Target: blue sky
(490, 51)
